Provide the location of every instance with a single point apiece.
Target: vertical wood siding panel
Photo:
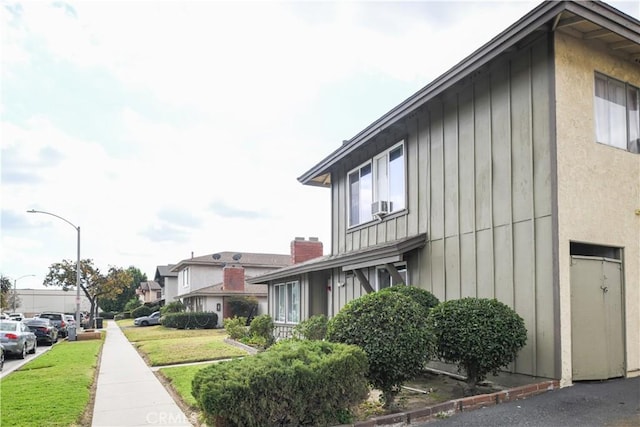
(414, 184)
(422, 187)
(437, 269)
(544, 299)
(484, 245)
(541, 131)
(450, 168)
(521, 184)
(466, 154)
(524, 298)
(452, 268)
(436, 222)
(501, 180)
(468, 265)
(483, 160)
(337, 207)
(503, 267)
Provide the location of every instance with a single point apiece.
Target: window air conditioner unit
(380, 208)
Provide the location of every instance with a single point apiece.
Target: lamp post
(15, 290)
(77, 262)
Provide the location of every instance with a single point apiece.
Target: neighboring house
(150, 292)
(206, 283)
(516, 176)
(168, 281)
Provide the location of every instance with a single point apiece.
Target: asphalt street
(614, 403)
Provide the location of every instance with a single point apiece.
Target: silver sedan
(17, 338)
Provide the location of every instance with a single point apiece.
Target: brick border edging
(459, 405)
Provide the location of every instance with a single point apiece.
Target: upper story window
(617, 113)
(377, 187)
(287, 302)
(185, 277)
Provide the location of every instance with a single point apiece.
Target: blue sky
(166, 128)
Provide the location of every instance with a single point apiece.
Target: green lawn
(180, 378)
(166, 346)
(52, 390)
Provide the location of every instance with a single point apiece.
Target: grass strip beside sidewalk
(52, 390)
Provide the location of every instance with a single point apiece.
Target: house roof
(245, 259)
(593, 20)
(217, 290)
(149, 286)
(165, 271)
(380, 254)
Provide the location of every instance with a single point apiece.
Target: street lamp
(15, 290)
(77, 262)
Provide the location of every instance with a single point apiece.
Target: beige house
(150, 292)
(515, 175)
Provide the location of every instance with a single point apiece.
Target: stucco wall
(598, 185)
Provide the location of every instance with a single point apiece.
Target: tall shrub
(314, 328)
(423, 297)
(262, 328)
(392, 330)
(293, 383)
(480, 335)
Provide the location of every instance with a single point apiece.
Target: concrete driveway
(613, 403)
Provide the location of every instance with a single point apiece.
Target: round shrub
(235, 327)
(391, 329)
(262, 327)
(293, 383)
(480, 335)
(423, 297)
(314, 328)
(143, 310)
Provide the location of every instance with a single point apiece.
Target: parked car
(58, 321)
(43, 328)
(70, 319)
(17, 338)
(152, 319)
(1, 357)
(16, 316)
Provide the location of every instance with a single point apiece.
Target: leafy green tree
(5, 290)
(481, 335)
(118, 303)
(93, 283)
(391, 328)
(132, 304)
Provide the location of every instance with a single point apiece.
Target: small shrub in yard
(480, 335)
(392, 330)
(106, 315)
(292, 383)
(235, 327)
(173, 307)
(143, 310)
(132, 304)
(423, 297)
(190, 320)
(262, 327)
(314, 328)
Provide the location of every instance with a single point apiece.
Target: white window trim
(282, 288)
(630, 145)
(374, 174)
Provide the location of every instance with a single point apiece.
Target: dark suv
(58, 321)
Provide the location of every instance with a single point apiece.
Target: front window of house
(384, 279)
(287, 302)
(377, 187)
(617, 113)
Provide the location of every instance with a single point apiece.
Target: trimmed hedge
(481, 335)
(190, 320)
(314, 328)
(292, 383)
(106, 314)
(423, 297)
(143, 310)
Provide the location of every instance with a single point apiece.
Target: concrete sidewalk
(128, 393)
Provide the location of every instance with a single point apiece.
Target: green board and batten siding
(479, 183)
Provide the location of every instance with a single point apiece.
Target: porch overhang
(382, 254)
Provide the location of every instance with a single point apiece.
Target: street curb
(451, 407)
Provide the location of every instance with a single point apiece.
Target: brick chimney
(303, 250)
(233, 278)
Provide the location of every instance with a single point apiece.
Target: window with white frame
(384, 279)
(377, 186)
(617, 113)
(287, 302)
(185, 277)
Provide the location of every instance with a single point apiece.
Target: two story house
(515, 175)
(168, 281)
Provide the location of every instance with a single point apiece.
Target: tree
(5, 289)
(13, 300)
(118, 303)
(93, 283)
(391, 328)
